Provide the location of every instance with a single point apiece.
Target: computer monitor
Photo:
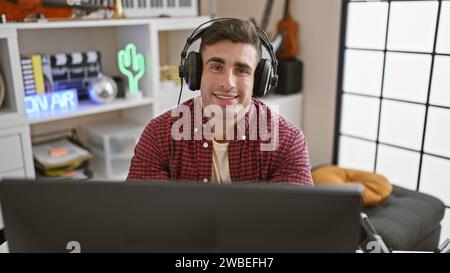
(179, 217)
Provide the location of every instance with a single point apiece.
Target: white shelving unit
(106, 36)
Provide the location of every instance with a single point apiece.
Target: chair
(407, 220)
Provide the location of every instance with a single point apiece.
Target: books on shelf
(28, 76)
(59, 154)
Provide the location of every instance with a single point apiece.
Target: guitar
(266, 15)
(265, 19)
(276, 42)
(18, 10)
(288, 29)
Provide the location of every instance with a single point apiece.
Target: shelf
(88, 108)
(161, 23)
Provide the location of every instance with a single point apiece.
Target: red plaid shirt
(158, 157)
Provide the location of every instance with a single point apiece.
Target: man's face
(228, 74)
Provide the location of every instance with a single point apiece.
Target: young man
(220, 136)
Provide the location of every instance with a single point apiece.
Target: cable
(181, 90)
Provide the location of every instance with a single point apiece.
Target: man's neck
(222, 136)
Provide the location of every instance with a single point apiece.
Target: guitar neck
(286, 9)
(267, 11)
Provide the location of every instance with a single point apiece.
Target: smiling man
(227, 82)
(224, 130)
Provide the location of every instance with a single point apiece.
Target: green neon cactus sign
(132, 65)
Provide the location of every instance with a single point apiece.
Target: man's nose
(228, 80)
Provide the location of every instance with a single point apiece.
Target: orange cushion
(376, 187)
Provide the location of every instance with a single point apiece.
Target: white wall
(319, 22)
(320, 34)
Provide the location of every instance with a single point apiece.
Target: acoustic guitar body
(288, 28)
(18, 10)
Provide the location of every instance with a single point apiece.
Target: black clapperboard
(74, 70)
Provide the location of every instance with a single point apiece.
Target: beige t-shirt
(221, 167)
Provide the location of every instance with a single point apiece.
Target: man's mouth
(226, 96)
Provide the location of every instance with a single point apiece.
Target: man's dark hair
(235, 30)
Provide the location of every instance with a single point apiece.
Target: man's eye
(215, 67)
(242, 71)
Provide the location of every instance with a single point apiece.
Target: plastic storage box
(112, 144)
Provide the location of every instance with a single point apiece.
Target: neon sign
(132, 65)
(51, 102)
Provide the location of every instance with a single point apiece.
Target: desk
(4, 249)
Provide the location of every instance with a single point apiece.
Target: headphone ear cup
(263, 73)
(193, 70)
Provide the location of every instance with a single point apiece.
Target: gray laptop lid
(179, 217)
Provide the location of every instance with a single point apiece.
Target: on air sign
(51, 102)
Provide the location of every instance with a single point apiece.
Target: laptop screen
(50, 216)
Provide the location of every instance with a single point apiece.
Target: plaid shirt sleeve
(293, 165)
(150, 160)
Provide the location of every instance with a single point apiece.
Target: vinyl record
(2, 89)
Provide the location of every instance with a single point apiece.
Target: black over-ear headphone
(191, 67)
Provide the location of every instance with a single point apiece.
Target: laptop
(94, 216)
